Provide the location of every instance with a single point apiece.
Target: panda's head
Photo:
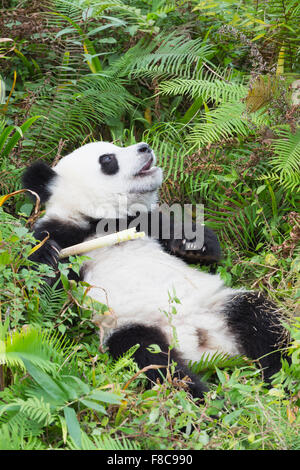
(97, 180)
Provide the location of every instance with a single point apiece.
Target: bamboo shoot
(101, 242)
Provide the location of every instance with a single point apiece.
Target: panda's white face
(103, 180)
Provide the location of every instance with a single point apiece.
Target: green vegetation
(211, 86)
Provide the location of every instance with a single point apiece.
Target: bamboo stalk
(101, 242)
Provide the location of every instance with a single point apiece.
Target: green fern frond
(227, 120)
(29, 344)
(208, 362)
(171, 56)
(216, 90)
(287, 152)
(52, 301)
(36, 409)
(123, 362)
(105, 442)
(286, 180)
(70, 8)
(126, 10)
(72, 110)
(12, 417)
(14, 438)
(77, 10)
(285, 161)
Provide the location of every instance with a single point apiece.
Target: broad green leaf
(94, 406)
(107, 397)
(73, 425)
(46, 382)
(231, 418)
(17, 135)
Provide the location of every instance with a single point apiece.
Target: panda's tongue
(146, 167)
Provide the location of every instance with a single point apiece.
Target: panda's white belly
(138, 281)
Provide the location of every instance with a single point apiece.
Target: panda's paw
(48, 254)
(190, 250)
(192, 245)
(198, 251)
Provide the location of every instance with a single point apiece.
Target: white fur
(138, 277)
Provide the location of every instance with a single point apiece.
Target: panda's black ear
(37, 178)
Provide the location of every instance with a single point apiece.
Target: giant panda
(136, 277)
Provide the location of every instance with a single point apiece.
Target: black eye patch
(109, 164)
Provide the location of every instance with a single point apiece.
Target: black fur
(255, 324)
(109, 164)
(209, 253)
(130, 335)
(37, 178)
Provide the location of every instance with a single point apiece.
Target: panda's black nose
(144, 148)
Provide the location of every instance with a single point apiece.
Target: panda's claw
(47, 254)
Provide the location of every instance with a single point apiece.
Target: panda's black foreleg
(47, 254)
(255, 323)
(60, 236)
(130, 335)
(208, 254)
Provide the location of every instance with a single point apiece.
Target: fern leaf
(105, 442)
(15, 437)
(73, 110)
(285, 161)
(218, 359)
(30, 344)
(287, 181)
(171, 56)
(52, 301)
(13, 418)
(261, 92)
(227, 120)
(287, 152)
(217, 90)
(37, 409)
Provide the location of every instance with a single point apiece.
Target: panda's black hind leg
(130, 335)
(255, 323)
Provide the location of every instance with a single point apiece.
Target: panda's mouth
(147, 168)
